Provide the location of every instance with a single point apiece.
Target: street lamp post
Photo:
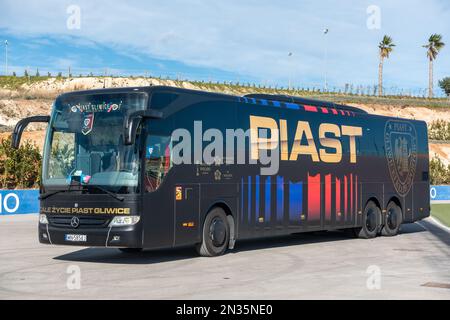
(325, 32)
(6, 57)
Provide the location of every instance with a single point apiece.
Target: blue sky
(246, 41)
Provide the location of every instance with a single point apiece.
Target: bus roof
(267, 97)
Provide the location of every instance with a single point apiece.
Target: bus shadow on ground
(411, 228)
(114, 256)
(438, 232)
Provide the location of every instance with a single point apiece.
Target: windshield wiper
(112, 194)
(49, 194)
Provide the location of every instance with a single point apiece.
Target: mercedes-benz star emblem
(75, 222)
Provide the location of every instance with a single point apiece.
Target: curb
(439, 224)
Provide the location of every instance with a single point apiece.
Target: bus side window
(157, 161)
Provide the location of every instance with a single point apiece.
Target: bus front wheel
(393, 220)
(371, 221)
(215, 235)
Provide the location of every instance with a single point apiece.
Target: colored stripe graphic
(292, 106)
(351, 196)
(280, 198)
(249, 212)
(345, 213)
(314, 198)
(257, 187)
(338, 198)
(267, 199)
(356, 195)
(242, 199)
(295, 201)
(310, 108)
(328, 197)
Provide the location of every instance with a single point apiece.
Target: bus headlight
(43, 219)
(121, 221)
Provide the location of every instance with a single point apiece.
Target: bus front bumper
(122, 237)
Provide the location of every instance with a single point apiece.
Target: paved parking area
(413, 265)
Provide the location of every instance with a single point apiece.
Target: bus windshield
(84, 143)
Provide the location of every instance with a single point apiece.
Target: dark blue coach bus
(154, 167)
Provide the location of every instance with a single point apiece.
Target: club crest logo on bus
(400, 139)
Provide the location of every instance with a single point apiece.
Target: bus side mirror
(131, 129)
(133, 121)
(21, 125)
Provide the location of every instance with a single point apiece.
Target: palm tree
(386, 46)
(434, 45)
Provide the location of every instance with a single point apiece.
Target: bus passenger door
(186, 215)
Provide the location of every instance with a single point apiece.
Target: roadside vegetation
(19, 168)
(439, 130)
(439, 173)
(445, 85)
(15, 82)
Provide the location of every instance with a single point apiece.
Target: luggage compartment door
(186, 214)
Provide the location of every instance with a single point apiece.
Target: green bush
(439, 130)
(445, 85)
(19, 168)
(439, 174)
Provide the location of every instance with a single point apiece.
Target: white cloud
(253, 37)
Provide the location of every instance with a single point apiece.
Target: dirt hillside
(37, 98)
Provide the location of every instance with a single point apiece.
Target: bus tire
(215, 234)
(392, 220)
(371, 221)
(130, 250)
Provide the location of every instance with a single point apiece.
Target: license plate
(75, 237)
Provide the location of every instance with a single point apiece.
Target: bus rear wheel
(371, 221)
(215, 235)
(392, 220)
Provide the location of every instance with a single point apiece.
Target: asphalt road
(308, 266)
